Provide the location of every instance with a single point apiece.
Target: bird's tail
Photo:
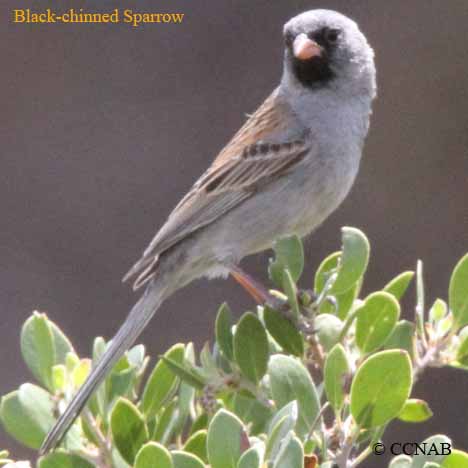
(136, 321)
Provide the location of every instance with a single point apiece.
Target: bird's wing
(246, 163)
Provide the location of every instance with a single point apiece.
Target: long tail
(134, 324)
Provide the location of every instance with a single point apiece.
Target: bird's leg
(260, 293)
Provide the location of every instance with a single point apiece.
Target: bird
(283, 173)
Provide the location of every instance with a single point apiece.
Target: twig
(419, 310)
(318, 417)
(347, 325)
(105, 458)
(368, 450)
(316, 352)
(431, 355)
(342, 460)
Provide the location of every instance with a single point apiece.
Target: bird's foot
(262, 296)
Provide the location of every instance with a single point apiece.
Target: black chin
(312, 73)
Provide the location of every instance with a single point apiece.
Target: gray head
(323, 49)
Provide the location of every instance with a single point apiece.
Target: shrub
(312, 380)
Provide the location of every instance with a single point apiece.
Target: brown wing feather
(267, 119)
(238, 171)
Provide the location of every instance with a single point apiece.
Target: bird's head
(323, 47)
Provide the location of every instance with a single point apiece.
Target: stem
(425, 361)
(368, 450)
(349, 321)
(316, 352)
(343, 459)
(317, 418)
(252, 388)
(362, 456)
(431, 355)
(105, 456)
(419, 310)
(326, 288)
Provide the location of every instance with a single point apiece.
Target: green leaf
(136, 356)
(121, 383)
(458, 293)
(291, 454)
(290, 289)
(354, 260)
(223, 331)
(62, 344)
(402, 337)
(282, 424)
(457, 459)
(251, 411)
(435, 448)
(289, 254)
(289, 381)
(328, 266)
(437, 312)
(117, 460)
(201, 422)
(376, 320)
(380, 388)
(207, 360)
(61, 459)
(59, 378)
(342, 304)
(224, 440)
(153, 455)
(283, 332)
(27, 414)
(415, 411)
(344, 301)
(186, 460)
(125, 374)
(309, 448)
(250, 459)
(402, 461)
(166, 424)
(81, 372)
(440, 319)
(186, 372)
(328, 328)
(336, 370)
(162, 383)
(37, 348)
(196, 444)
(128, 428)
(186, 397)
(71, 361)
(251, 347)
(420, 299)
(99, 348)
(462, 351)
(100, 398)
(221, 362)
(398, 285)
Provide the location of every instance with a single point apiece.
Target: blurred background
(105, 127)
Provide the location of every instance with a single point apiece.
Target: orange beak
(305, 48)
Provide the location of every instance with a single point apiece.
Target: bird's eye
(332, 35)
